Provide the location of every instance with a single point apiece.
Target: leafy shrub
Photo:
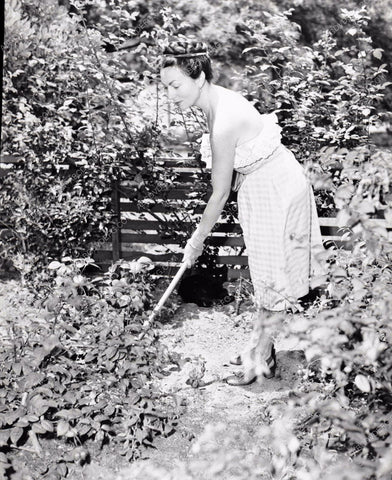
(63, 101)
(81, 372)
(328, 96)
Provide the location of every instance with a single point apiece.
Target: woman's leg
(258, 358)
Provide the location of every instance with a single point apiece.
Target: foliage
(67, 77)
(348, 347)
(86, 72)
(315, 17)
(327, 95)
(80, 372)
(65, 119)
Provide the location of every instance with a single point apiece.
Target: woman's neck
(208, 100)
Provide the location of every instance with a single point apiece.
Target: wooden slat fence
(137, 227)
(139, 233)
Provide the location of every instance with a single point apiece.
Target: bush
(62, 103)
(80, 371)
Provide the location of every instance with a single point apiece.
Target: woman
(276, 206)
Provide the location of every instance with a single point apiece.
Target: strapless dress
(278, 216)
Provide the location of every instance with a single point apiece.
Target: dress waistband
(241, 172)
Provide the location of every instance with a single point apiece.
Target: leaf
(358, 437)
(377, 53)
(16, 433)
(62, 428)
(323, 334)
(17, 368)
(70, 414)
(343, 194)
(38, 428)
(388, 215)
(318, 280)
(313, 353)
(141, 435)
(51, 343)
(71, 433)
(339, 272)
(366, 206)
(4, 437)
(362, 383)
(22, 422)
(109, 410)
(111, 352)
(39, 405)
(62, 470)
(84, 429)
(31, 380)
(54, 265)
(385, 464)
(250, 49)
(32, 418)
(301, 324)
(48, 426)
(343, 218)
(357, 283)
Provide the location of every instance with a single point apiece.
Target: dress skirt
(278, 216)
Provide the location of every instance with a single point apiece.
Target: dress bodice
(253, 150)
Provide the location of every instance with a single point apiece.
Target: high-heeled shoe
(236, 360)
(271, 362)
(239, 378)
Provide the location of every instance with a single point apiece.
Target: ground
(217, 418)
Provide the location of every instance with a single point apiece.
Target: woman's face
(182, 90)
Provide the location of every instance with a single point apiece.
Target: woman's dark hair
(191, 56)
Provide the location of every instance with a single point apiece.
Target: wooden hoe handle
(164, 297)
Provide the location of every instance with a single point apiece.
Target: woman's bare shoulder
(235, 114)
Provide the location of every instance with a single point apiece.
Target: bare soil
(216, 416)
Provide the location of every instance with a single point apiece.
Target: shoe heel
(271, 362)
(236, 360)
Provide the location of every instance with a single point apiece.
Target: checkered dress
(278, 216)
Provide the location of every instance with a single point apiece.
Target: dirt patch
(217, 413)
(217, 418)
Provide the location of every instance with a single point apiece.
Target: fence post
(116, 234)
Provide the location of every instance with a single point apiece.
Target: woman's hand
(191, 254)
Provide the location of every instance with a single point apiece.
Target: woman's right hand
(191, 254)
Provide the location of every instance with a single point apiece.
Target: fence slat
(102, 255)
(170, 208)
(155, 238)
(328, 231)
(173, 193)
(154, 225)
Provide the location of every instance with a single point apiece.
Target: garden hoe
(162, 301)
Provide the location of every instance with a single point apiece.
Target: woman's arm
(223, 151)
